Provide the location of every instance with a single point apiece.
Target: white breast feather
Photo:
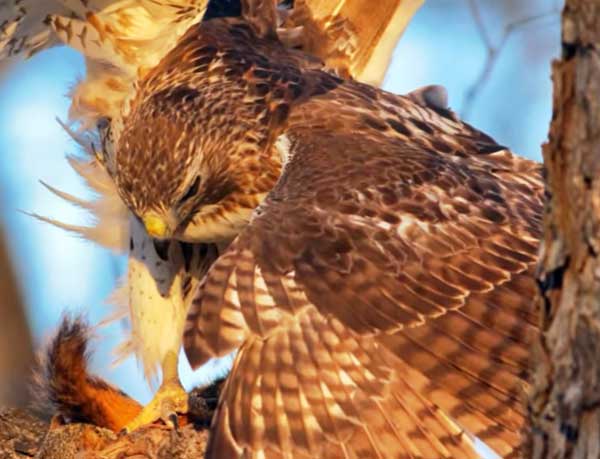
(156, 302)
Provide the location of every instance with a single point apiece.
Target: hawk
(370, 255)
(375, 253)
(121, 40)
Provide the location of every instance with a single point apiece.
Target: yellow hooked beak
(156, 226)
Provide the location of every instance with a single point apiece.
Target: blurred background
(493, 57)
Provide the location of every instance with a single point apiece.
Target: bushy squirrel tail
(71, 392)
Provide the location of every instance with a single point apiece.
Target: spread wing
(356, 37)
(117, 31)
(119, 39)
(382, 293)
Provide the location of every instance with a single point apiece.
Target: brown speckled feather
(238, 97)
(381, 294)
(382, 289)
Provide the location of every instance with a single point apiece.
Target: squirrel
(65, 387)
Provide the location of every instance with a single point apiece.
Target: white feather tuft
(157, 306)
(109, 214)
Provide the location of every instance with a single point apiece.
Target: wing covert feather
(381, 264)
(405, 231)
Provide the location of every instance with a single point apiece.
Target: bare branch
(494, 49)
(14, 334)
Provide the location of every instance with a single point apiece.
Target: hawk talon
(174, 421)
(170, 400)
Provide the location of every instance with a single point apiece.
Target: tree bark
(565, 398)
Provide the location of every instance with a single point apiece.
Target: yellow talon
(170, 399)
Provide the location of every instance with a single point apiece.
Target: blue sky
(59, 271)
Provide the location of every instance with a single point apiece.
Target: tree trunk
(565, 399)
(15, 365)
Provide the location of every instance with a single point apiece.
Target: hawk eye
(192, 191)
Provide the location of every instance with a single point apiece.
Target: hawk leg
(170, 400)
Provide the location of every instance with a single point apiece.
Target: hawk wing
(382, 293)
(356, 37)
(121, 39)
(118, 38)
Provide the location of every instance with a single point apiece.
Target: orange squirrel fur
(74, 394)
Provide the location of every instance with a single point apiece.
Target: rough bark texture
(565, 398)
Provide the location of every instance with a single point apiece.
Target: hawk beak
(156, 226)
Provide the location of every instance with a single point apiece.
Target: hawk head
(195, 154)
(188, 172)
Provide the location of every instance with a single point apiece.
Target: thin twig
(494, 50)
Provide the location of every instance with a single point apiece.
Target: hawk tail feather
(65, 386)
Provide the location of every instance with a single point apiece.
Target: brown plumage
(354, 37)
(121, 42)
(182, 185)
(381, 294)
